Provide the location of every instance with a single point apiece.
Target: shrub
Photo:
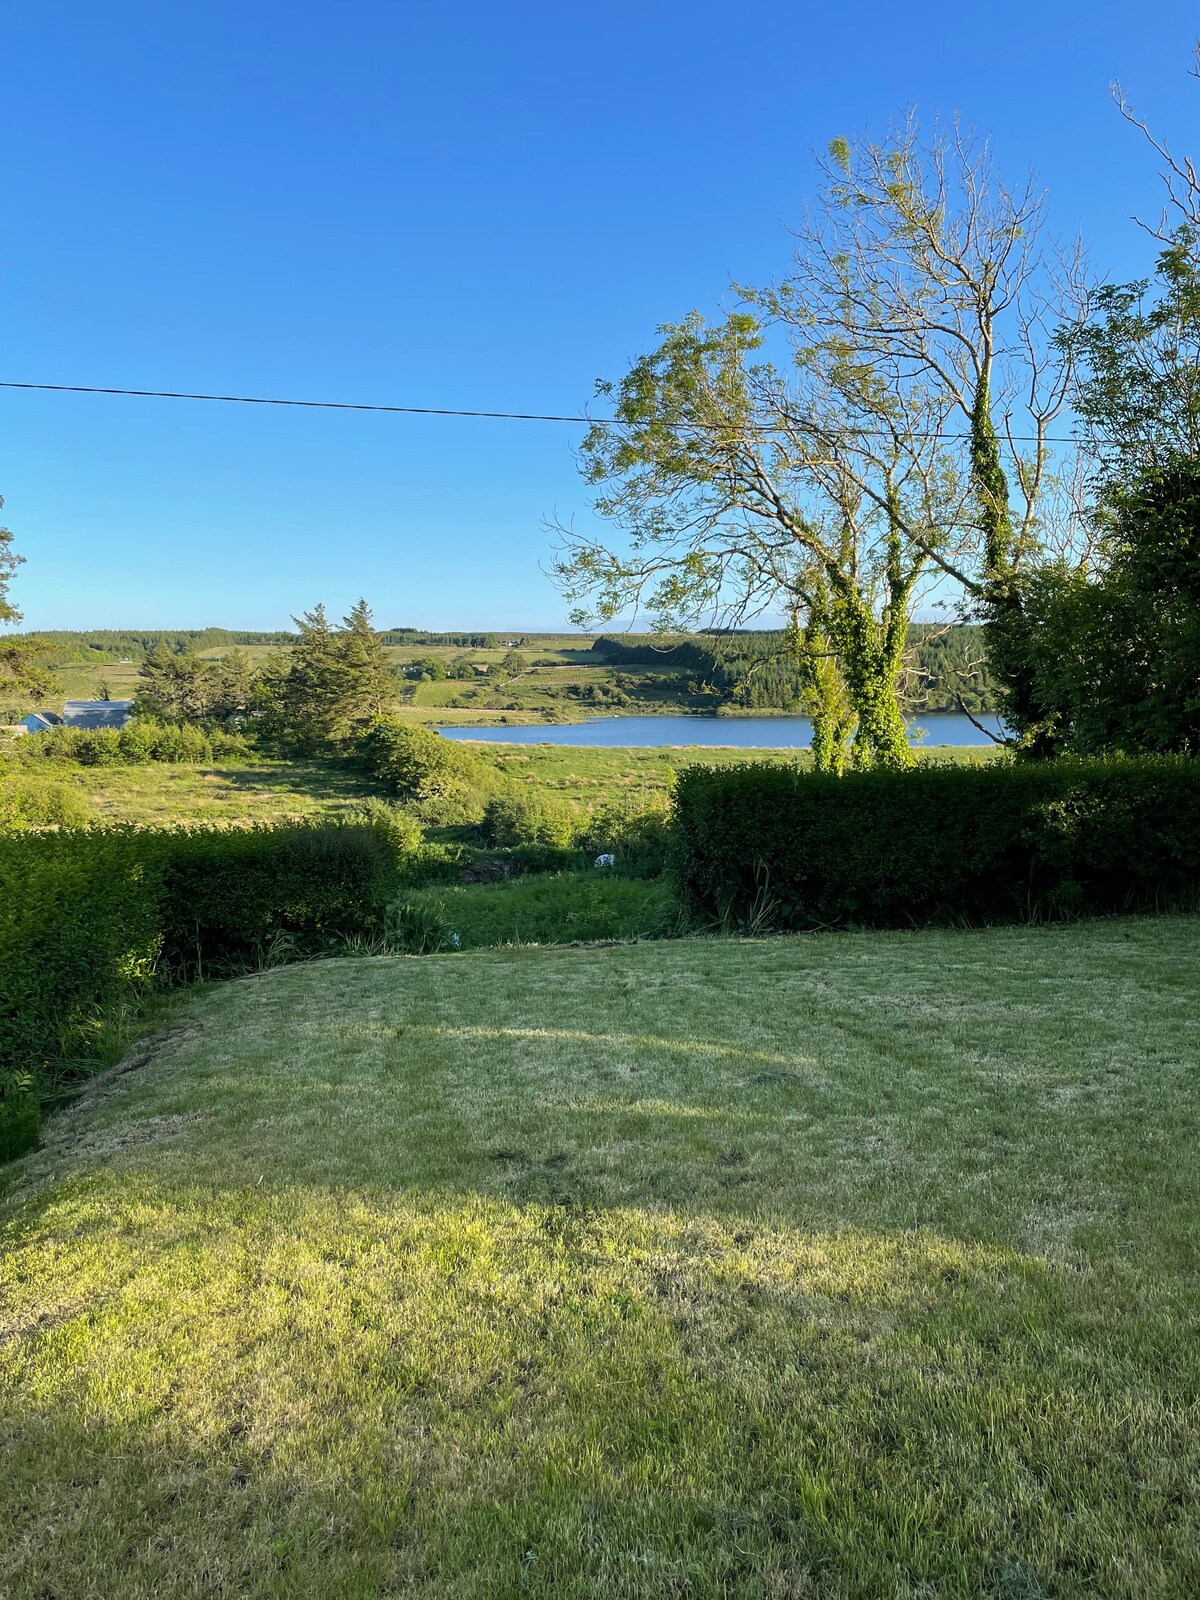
(88, 917)
(78, 936)
(226, 896)
(516, 818)
(639, 837)
(418, 929)
(141, 740)
(552, 909)
(20, 1114)
(35, 802)
(444, 783)
(771, 845)
(395, 825)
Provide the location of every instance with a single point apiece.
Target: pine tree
(367, 689)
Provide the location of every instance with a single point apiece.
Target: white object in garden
(606, 860)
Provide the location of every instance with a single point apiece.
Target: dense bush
(443, 782)
(774, 846)
(32, 801)
(516, 818)
(639, 837)
(88, 917)
(395, 825)
(228, 898)
(142, 739)
(79, 934)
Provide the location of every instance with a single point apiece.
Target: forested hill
(754, 668)
(115, 644)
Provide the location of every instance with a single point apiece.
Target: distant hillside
(754, 669)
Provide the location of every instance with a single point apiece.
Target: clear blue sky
(485, 205)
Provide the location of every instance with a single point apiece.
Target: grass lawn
(824, 1267)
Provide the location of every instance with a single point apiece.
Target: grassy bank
(824, 1267)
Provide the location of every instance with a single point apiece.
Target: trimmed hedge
(771, 846)
(89, 917)
(78, 934)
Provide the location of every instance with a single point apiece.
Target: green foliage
(1138, 387)
(142, 739)
(756, 670)
(554, 908)
(772, 846)
(327, 691)
(637, 835)
(445, 783)
(88, 918)
(226, 896)
(416, 928)
(79, 935)
(1113, 656)
(20, 1114)
(434, 863)
(518, 817)
(395, 825)
(22, 661)
(32, 801)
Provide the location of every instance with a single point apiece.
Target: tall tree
(368, 688)
(173, 685)
(330, 687)
(899, 435)
(22, 661)
(1113, 644)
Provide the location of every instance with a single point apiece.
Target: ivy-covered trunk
(852, 662)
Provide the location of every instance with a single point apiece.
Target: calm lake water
(743, 733)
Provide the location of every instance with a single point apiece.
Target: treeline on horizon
(111, 644)
(945, 670)
(753, 669)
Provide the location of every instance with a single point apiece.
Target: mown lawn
(825, 1267)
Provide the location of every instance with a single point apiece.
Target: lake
(743, 733)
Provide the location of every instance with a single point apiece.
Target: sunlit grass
(819, 1267)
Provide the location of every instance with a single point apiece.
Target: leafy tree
(232, 688)
(1113, 645)
(21, 660)
(882, 447)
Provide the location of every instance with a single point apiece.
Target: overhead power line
(454, 411)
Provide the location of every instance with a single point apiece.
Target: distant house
(38, 722)
(97, 713)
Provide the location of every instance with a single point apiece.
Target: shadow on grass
(321, 778)
(319, 1389)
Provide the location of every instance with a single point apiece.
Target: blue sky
(478, 205)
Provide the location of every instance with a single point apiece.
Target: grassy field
(818, 1268)
(161, 794)
(258, 791)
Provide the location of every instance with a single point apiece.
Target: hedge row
(141, 740)
(772, 846)
(89, 917)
